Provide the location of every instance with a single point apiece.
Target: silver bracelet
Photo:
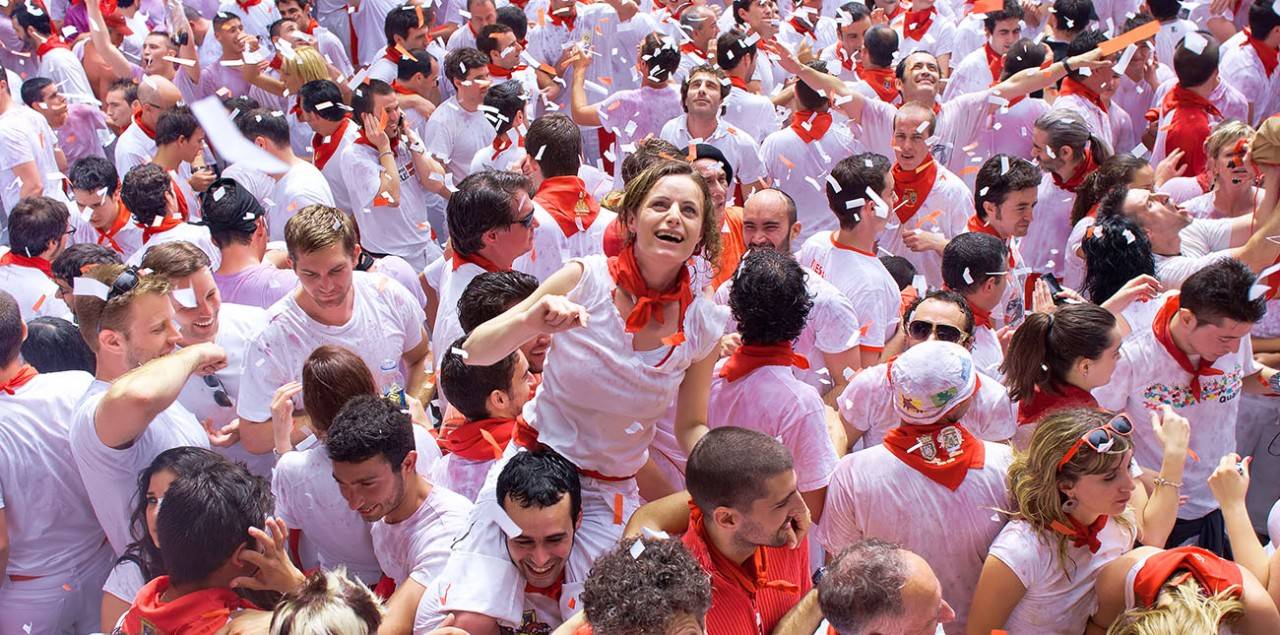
(1160, 480)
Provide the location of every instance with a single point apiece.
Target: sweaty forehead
(940, 312)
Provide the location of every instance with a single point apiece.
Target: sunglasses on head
(921, 330)
(124, 283)
(1102, 438)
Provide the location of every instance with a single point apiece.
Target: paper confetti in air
(968, 277)
(460, 353)
(82, 286)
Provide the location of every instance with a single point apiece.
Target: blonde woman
(1076, 507)
(1228, 184)
(275, 84)
(329, 602)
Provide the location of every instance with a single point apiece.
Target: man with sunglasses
(491, 224)
(39, 229)
(945, 482)
(203, 317)
(1197, 358)
(866, 405)
(130, 413)
(976, 265)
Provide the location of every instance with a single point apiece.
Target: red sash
(324, 150)
(1214, 574)
(25, 374)
(1160, 328)
(913, 186)
(34, 262)
(567, 200)
(749, 357)
(923, 449)
(819, 123)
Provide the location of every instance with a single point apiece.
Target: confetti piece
(637, 548)
(82, 286)
(968, 277)
(459, 352)
(1117, 44)
(617, 509)
(39, 303)
(1123, 64)
(185, 297)
(1195, 42)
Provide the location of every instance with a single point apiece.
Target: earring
(1069, 505)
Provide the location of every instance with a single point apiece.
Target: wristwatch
(1066, 66)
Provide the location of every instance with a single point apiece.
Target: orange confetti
(675, 339)
(445, 597)
(66, 587)
(606, 80)
(497, 449)
(39, 303)
(573, 601)
(864, 328)
(613, 106)
(1122, 41)
(693, 152)
(968, 169)
(787, 162)
(617, 509)
(1192, 453)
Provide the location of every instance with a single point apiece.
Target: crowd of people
(639, 317)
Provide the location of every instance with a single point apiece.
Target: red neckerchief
(137, 120)
(122, 219)
(944, 468)
(846, 59)
(1205, 181)
(1072, 87)
(1081, 535)
(310, 27)
(752, 575)
(25, 374)
(626, 274)
(819, 123)
(552, 591)
(165, 225)
(1160, 328)
(738, 82)
(54, 41)
(1269, 56)
(801, 27)
(480, 440)
(184, 211)
(401, 89)
(976, 224)
(916, 23)
(363, 140)
(34, 262)
(199, 613)
(913, 186)
(276, 62)
(1189, 126)
(1059, 397)
(881, 80)
(504, 73)
(567, 200)
(476, 259)
(1174, 566)
(981, 317)
(565, 21)
(749, 357)
(691, 48)
(245, 4)
(324, 150)
(995, 61)
(392, 53)
(1086, 168)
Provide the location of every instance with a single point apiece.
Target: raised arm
(545, 311)
(849, 101)
(137, 397)
(187, 50)
(1030, 80)
(101, 39)
(1229, 484)
(584, 114)
(998, 593)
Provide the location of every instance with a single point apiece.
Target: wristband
(1160, 480)
(1066, 66)
(386, 153)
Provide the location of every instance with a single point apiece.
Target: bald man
(137, 143)
(876, 587)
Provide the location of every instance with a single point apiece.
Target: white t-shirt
(1243, 70)
(800, 169)
(419, 545)
(552, 249)
(308, 499)
(125, 581)
(133, 148)
(1045, 242)
(454, 135)
(1055, 603)
(867, 405)
(402, 228)
(634, 114)
(111, 475)
(738, 147)
(945, 211)
(333, 169)
(447, 328)
(937, 39)
(128, 239)
(770, 399)
(949, 529)
(35, 293)
(50, 523)
(862, 279)
(238, 324)
(301, 186)
(65, 69)
(1006, 131)
(752, 113)
(970, 74)
(26, 137)
(197, 235)
(1147, 377)
(385, 323)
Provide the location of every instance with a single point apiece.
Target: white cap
(930, 379)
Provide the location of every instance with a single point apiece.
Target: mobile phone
(1055, 287)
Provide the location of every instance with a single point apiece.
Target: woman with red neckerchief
(1076, 506)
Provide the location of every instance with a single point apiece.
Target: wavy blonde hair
(307, 64)
(1034, 478)
(1181, 608)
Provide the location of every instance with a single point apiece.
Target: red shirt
(734, 609)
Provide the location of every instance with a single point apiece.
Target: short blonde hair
(99, 314)
(328, 602)
(1225, 135)
(1183, 608)
(306, 64)
(317, 227)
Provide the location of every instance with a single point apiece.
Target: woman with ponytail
(1121, 169)
(1076, 506)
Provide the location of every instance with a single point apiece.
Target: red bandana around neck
(818, 124)
(109, 237)
(476, 259)
(802, 27)
(995, 61)
(565, 20)
(501, 72)
(943, 452)
(738, 82)
(393, 53)
(324, 150)
(567, 200)
(245, 4)
(310, 27)
(1173, 566)
(480, 440)
(1082, 535)
(916, 23)
(749, 357)
(1189, 126)
(203, 611)
(626, 274)
(1161, 328)
(1084, 169)
(165, 225)
(552, 591)
(881, 80)
(692, 49)
(1070, 86)
(981, 317)
(25, 374)
(502, 142)
(137, 121)
(34, 262)
(1269, 56)
(846, 58)
(913, 186)
(54, 41)
(752, 575)
(401, 89)
(363, 140)
(1045, 401)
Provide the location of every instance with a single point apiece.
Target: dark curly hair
(370, 426)
(769, 298)
(1116, 251)
(627, 595)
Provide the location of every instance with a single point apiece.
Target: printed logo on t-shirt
(406, 171)
(1220, 388)
(529, 625)
(817, 268)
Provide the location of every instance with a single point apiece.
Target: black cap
(228, 206)
(708, 151)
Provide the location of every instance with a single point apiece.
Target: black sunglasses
(921, 330)
(219, 391)
(124, 283)
(526, 222)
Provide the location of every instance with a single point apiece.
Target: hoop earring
(1069, 505)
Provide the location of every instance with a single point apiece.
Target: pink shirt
(260, 285)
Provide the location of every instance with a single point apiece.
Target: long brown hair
(637, 192)
(331, 376)
(1045, 347)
